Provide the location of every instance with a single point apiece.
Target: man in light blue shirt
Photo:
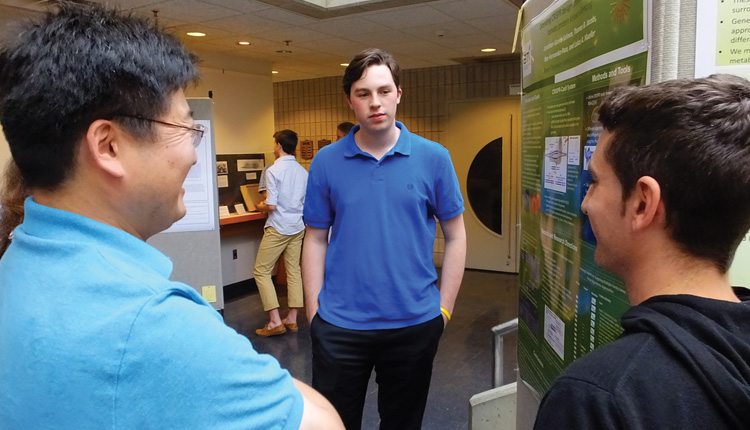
(285, 183)
(93, 333)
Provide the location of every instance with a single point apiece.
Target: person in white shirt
(285, 183)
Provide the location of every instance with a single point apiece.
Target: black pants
(402, 358)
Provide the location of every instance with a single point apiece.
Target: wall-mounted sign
(306, 150)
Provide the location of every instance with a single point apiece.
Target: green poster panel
(568, 305)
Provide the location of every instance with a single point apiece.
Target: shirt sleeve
(573, 404)
(318, 211)
(262, 180)
(272, 188)
(182, 367)
(448, 200)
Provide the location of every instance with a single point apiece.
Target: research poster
(724, 47)
(199, 200)
(574, 53)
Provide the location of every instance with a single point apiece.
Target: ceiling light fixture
(275, 72)
(243, 43)
(196, 34)
(344, 64)
(488, 49)
(285, 51)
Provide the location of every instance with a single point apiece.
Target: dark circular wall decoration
(484, 185)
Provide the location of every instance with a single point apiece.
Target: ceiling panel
(424, 34)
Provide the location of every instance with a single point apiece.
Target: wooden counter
(235, 219)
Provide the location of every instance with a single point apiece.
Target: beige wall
(243, 109)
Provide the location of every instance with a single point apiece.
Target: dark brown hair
(693, 137)
(365, 59)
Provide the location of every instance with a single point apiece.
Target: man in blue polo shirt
(371, 293)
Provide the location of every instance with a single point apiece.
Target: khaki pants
(271, 247)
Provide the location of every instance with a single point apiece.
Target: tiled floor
(463, 366)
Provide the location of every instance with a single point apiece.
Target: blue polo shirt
(94, 335)
(379, 271)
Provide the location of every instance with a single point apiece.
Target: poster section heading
(569, 33)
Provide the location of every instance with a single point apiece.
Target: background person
(93, 334)
(372, 294)
(343, 129)
(669, 203)
(285, 183)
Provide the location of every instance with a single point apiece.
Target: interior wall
(243, 109)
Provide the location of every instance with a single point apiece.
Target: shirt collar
(403, 144)
(45, 221)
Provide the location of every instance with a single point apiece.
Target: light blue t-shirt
(93, 335)
(379, 271)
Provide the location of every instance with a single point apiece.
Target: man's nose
(584, 204)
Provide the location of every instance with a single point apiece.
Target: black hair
(693, 137)
(287, 139)
(365, 59)
(79, 64)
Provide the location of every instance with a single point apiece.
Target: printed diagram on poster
(555, 165)
(554, 331)
(559, 153)
(588, 152)
(573, 143)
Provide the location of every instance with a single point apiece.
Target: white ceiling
(419, 33)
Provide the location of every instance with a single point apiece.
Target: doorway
(482, 136)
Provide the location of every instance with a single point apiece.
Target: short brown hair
(693, 137)
(365, 59)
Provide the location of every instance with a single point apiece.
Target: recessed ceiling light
(275, 72)
(196, 34)
(243, 43)
(344, 64)
(488, 49)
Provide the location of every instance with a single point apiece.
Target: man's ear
(645, 204)
(103, 142)
(400, 93)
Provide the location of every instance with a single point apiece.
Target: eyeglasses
(197, 129)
